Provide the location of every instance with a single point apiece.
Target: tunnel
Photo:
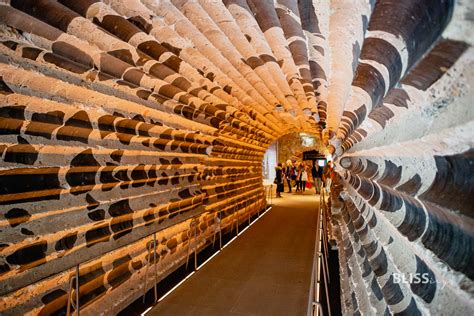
(133, 133)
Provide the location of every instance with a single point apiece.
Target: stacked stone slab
(120, 119)
(402, 199)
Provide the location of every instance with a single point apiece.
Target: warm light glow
(205, 262)
(146, 311)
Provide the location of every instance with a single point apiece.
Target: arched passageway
(130, 123)
(265, 271)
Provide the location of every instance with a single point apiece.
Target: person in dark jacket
(314, 170)
(279, 180)
(328, 173)
(316, 173)
(288, 173)
(299, 171)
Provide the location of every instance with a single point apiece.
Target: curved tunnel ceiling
(127, 117)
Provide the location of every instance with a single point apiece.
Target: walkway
(265, 271)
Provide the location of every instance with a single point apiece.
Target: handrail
(320, 307)
(325, 237)
(325, 246)
(70, 300)
(320, 261)
(218, 229)
(193, 225)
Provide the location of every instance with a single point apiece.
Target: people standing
(304, 178)
(315, 173)
(320, 173)
(327, 175)
(279, 180)
(289, 172)
(294, 173)
(298, 177)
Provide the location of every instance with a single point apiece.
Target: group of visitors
(299, 175)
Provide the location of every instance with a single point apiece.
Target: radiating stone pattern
(121, 118)
(403, 201)
(291, 147)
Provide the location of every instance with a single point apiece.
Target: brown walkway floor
(265, 271)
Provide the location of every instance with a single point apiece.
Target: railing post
(70, 301)
(325, 239)
(237, 221)
(271, 194)
(319, 306)
(326, 286)
(236, 213)
(195, 247)
(78, 307)
(324, 261)
(326, 257)
(191, 238)
(220, 231)
(189, 246)
(248, 212)
(148, 248)
(214, 235)
(154, 265)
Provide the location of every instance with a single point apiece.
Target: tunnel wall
(291, 147)
(108, 136)
(124, 118)
(121, 119)
(402, 199)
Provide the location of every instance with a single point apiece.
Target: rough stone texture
(292, 146)
(123, 118)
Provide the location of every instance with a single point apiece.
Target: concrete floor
(265, 271)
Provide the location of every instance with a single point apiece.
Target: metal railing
(320, 263)
(269, 193)
(70, 299)
(74, 281)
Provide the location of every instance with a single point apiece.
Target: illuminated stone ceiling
(121, 118)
